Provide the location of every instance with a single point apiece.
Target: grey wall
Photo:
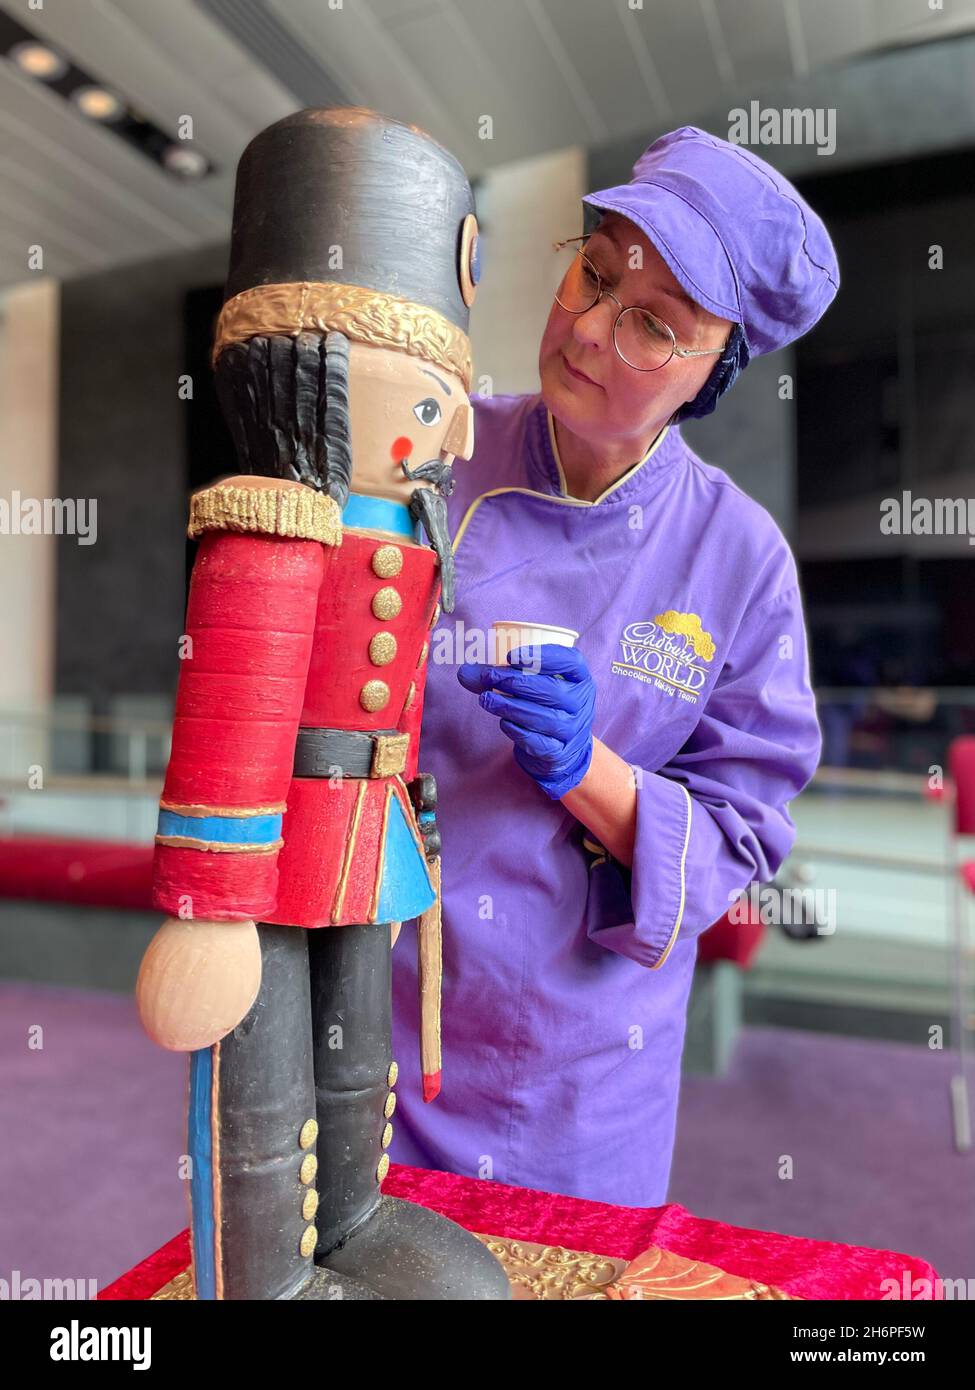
(751, 435)
(889, 107)
(894, 105)
(122, 442)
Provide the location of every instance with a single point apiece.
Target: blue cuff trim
(229, 830)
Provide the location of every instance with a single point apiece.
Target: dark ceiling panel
(258, 31)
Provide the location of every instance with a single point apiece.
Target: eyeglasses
(641, 339)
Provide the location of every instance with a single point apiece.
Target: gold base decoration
(552, 1272)
(179, 1287)
(548, 1273)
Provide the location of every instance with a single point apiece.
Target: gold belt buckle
(389, 752)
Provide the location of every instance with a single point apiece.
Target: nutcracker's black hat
(347, 220)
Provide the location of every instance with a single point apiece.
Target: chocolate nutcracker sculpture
(292, 799)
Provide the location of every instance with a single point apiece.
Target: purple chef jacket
(566, 975)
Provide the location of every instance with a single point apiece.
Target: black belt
(349, 753)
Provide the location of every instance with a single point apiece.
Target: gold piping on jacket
(683, 857)
(349, 851)
(374, 907)
(551, 497)
(270, 511)
(364, 315)
(496, 492)
(180, 808)
(216, 846)
(613, 486)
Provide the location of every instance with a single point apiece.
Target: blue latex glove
(548, 719)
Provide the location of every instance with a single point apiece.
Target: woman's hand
(546, 711)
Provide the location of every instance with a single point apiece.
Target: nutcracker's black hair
(287, 405)
(286, 402)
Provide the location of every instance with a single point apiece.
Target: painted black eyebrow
(442, 384)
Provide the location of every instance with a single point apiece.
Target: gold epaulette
(275, 507)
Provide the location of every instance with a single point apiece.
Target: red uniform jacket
(295, 621)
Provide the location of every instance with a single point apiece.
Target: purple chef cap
(735, 234)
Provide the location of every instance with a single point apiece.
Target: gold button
(387, 561)
(410, 695)
(308, 1169)
(386, 603)
(308, 1135)
(310, 1205)
(374, 695)
(387, 1138)
(383, 1168)
(392, 1074)
(307, 1246)
(390, 1105)
(382, 648)
(424, 652)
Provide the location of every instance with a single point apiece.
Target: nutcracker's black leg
(401, 1250)
(351, 994)
(252, 1140)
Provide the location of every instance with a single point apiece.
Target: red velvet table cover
(806, 1268)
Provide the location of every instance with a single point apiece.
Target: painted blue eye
(428, 412)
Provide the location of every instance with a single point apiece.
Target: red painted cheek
(401, 448)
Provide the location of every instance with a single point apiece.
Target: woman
(601, 809)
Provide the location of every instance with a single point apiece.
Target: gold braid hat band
(366, 316)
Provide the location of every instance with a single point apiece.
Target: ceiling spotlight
(187, 162)
(97, 104)
(39, 61)
(91, 98)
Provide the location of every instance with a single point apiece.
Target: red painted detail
(224, 887)
(250, 620)
(317, 825)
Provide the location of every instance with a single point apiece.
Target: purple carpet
(93, 1127)
(868, 1128)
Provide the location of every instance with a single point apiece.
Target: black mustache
(437, 472)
